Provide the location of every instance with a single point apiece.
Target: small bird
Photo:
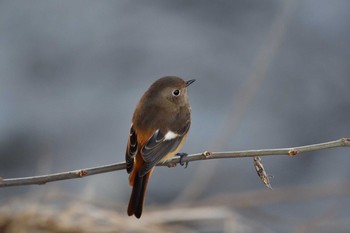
(159, 128)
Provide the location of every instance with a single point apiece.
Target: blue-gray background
(269, 74)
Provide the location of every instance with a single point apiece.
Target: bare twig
(344, 142)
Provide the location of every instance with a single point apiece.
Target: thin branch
(344, 142)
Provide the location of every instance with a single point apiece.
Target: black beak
(189, 82)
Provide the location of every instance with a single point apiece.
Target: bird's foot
(182, 155)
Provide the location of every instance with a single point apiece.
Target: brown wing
(158, 146)
(131, 150)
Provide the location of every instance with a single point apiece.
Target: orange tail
(138, 194)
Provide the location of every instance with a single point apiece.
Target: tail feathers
(138, 195)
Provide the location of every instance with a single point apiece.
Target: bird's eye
(176, 92)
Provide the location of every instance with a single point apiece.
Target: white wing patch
(170, 135)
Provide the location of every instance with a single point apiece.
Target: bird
(159, 128)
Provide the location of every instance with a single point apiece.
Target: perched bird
(159, 129)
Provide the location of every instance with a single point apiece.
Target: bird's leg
(182, 155)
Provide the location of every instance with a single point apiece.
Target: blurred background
(269, 74)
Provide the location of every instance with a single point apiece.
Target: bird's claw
(182, 155)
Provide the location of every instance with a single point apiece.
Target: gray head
(169, 89)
